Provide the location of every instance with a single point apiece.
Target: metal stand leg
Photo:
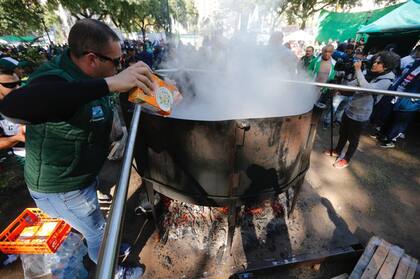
(151, 198)
(232, 217)
(287, 199)
(296, 193)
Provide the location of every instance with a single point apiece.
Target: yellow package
(161, 100)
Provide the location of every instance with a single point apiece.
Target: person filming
(359, 109)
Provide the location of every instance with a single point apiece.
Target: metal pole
(318, 84)
(358, 89)
(111, 243)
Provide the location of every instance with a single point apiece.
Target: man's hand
(357, 65)
(137, 75)
(21, 135)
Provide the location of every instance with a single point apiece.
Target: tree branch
(75, 15)
(322, 7)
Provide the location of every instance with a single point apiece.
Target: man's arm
(381, 84)
(8, 142)
(51, 98)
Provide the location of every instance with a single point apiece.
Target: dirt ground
(378, 194)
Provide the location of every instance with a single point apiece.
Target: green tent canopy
(18, 39)
(405, 18)
(341, 26)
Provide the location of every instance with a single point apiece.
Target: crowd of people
(389, 117)
(66, 135)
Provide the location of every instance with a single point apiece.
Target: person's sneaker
(341, 164)
(387, 144)
(125, 250)
(320, 105)
(332, 153)
(399, 136)
(128, 272)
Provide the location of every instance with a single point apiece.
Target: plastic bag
(35, 266)
(66, 263)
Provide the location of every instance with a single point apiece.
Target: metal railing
(108, 254)
(110, 245)
(358, 89)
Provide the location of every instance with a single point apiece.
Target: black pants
(350, 131)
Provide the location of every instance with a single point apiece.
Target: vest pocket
(76, 160)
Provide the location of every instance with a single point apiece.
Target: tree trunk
(302, 24)
(304, 18)
(143, 32)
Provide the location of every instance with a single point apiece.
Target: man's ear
(91, 59)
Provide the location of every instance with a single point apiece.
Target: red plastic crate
(11, 244)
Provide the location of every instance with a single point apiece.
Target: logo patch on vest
(97, 114)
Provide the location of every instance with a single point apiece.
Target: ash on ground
(205, 228)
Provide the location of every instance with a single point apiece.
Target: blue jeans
(398, 123)
(80, 209)
(339, 104)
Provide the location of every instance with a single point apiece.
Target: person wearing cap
(68, 112)
(23, 70)
(8, 63)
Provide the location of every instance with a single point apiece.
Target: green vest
(67, 156)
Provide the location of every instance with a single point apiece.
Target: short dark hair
(90, 35)
(311, 48)
(350, 46)
(6, 71)
(390, 59)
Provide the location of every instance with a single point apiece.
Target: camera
(346, 65)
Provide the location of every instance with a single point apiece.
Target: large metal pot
(217, 163)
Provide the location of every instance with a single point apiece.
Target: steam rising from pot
(238, 79)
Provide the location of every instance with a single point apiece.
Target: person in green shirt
(69, 116)
(308, 57)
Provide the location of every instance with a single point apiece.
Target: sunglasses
(116, 61)
(11, 85)
(378, 62)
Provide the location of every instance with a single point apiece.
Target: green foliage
(135, 15)
(138, 15)
(20, 17)
(146, 15)
(184, 12)
(25, 17)
(299, 11)
(84, 8)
